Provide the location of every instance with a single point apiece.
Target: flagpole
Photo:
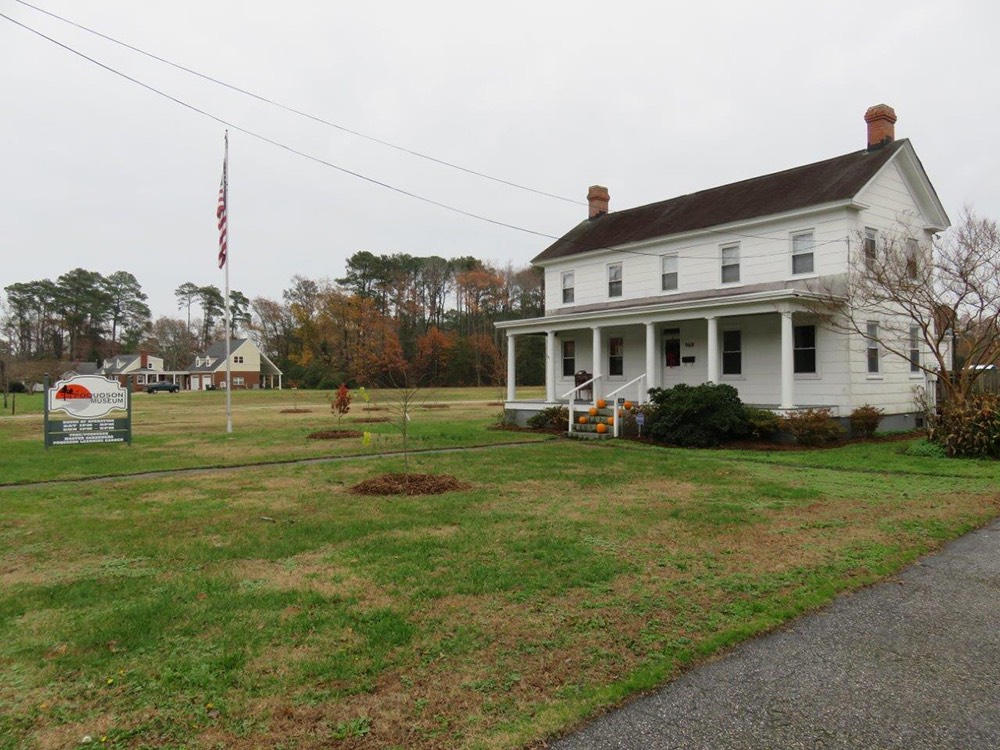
(225, 302)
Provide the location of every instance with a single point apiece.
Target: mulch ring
(436, 406)
(409, 484)
(296, 411)
(333, 434)
(373, 408)
(369, 420)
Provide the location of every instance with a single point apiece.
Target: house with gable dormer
(249, 366)
(718, 286)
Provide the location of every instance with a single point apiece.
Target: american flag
(220, 212)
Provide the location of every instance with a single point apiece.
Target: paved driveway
(912, 663)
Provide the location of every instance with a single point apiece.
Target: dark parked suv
(162, 386)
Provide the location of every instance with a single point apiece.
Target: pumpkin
(611, 420)
(593, 411)
(582, 420)
(601, 403)
(602, 428)
(628, 405)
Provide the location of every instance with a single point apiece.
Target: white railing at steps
(611, 397)
(569, 394)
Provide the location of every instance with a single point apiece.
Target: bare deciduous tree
(937, 306)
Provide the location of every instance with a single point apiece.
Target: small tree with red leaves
(342, 403)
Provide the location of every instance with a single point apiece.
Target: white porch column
(510, 366)
(596, 361)
(652, 369)
(713, 350)
(787, 361)
(550, 366)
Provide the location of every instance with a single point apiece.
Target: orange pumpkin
(611, 420)
(602, 428)
(628, 405)
(582, 420)
(601, 403)
(593, 411)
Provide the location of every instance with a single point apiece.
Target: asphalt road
(911, 663)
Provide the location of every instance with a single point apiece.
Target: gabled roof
(834, 180)
(216, 352)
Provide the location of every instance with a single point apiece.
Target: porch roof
(655, 309)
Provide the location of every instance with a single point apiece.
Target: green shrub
(812, 427)
(553, 418)
(864, 420)
(764, 423)
(696, 416)
(968, 428)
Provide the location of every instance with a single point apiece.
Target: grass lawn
(270, 607)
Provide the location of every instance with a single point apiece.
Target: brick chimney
(881, 121)
(143, 359)
(598, 198)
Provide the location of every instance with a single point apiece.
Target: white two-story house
(720, 286)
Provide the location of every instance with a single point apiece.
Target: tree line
(387, 318)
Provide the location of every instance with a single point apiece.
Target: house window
(568, 287)
(804, 340)
(732, 353)
(672, 347)
(616, 356)
(869, 249)
(914, 348)
(912, 258)
(615, 280)
(569, 358)
(803, 245)
(872, 338)
(730, 264)
(237, 381)
(237, 360)
(668, 273)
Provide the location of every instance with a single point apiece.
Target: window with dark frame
(872, 348)
(730, 264)
(804, 344)
(870, 249)
(803, 247)
(914, 348)
(672, 347)
(615, 280)
(732, 352)
(912, 258)
(568, 287)
(616, 356)
(568, 358)
(668, 274)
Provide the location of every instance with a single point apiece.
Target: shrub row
(969, 428)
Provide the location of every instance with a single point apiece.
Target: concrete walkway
(912, 663)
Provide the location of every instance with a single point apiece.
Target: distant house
(142, 369)
(249, 366)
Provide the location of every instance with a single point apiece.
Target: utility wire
(299, 112)
(496, 222)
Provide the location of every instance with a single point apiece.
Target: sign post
(88, 400)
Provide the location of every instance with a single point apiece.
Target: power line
(299, 112)
(401, 191)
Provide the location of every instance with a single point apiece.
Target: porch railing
(611, 398)
(570, 396)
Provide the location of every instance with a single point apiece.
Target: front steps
(588, 429)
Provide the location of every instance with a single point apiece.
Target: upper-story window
(730, 264)
(615, 280)
(668, 273)
(912, 258)
(803, 247)
(237, 359)
(568, 287)
(871, 237)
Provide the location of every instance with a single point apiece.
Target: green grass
(270, 605)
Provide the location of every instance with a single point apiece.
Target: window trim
(664, 273)
(571, 275)
(911, 257)
(611, 340)
(914, 358)
(723, 265)
(871, 330)
(814, 349)
(722, 360)
(793, 236)
(564, 358)
(620, 281)
(869, 249)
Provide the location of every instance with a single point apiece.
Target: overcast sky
(652, 99)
